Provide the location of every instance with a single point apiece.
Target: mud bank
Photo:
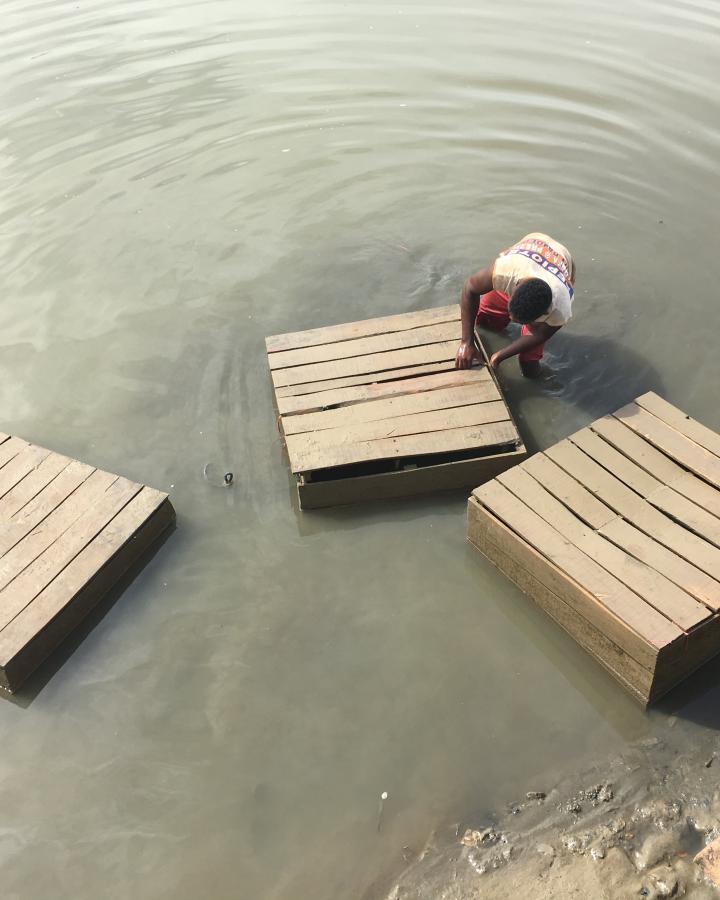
(627, 828)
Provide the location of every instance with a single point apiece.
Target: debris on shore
(644, 826)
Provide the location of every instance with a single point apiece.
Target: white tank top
(538, 256)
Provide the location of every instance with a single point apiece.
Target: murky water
(181, 180)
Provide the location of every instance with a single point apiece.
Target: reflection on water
(183, 179)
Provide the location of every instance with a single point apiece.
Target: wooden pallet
(377, 409)
(68, 533)
(615, 533)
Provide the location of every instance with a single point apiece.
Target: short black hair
(530, 299)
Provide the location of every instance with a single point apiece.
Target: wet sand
(625, 828)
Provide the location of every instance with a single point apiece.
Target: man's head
(530, 300)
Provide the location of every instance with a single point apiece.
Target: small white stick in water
(381, 804)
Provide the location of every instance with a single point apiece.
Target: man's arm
(475, 286)
(542, 332)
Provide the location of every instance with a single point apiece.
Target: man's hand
(496, 359)
(475, 286)
(466, 355)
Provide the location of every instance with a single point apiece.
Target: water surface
(181, 180)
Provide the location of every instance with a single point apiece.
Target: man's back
(538, 255)
(530, 283)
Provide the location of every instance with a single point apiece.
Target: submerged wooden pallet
(68, 533)
(377, 409)
(615, 533)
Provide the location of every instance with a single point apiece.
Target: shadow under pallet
(376, 409)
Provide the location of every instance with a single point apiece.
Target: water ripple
(182, 178)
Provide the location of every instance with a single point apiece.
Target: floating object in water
(381, 806)
(212, 474)
(80, 531)
(376, 409)
(614, 533)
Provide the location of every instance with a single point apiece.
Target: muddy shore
(626, 828)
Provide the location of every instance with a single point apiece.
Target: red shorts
(493, 314)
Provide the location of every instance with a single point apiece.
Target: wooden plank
(45, 518)
(688, 513)
(637, 449)
(10, 448)
(466, 474)
(606, 487)
(474, 437)
(680, 448)
(634, 677)
(357, 394)
(45, 567)
(393, 408)
(366, 328)
(672, 566)
(398, 340)
(21, 465)
(41, 626)
(569, 491)
(363, 365)
(369, 378)
(581, 601)
(676, 538)
(628, 504)
(617, 598)
(43, 504)
(700, 492)
(32, 484)
(662, 594)
(58, 490)
(657, 464)
(421, 423)
(677, 419)
(611, 459)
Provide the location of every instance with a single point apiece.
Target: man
(530, 283)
